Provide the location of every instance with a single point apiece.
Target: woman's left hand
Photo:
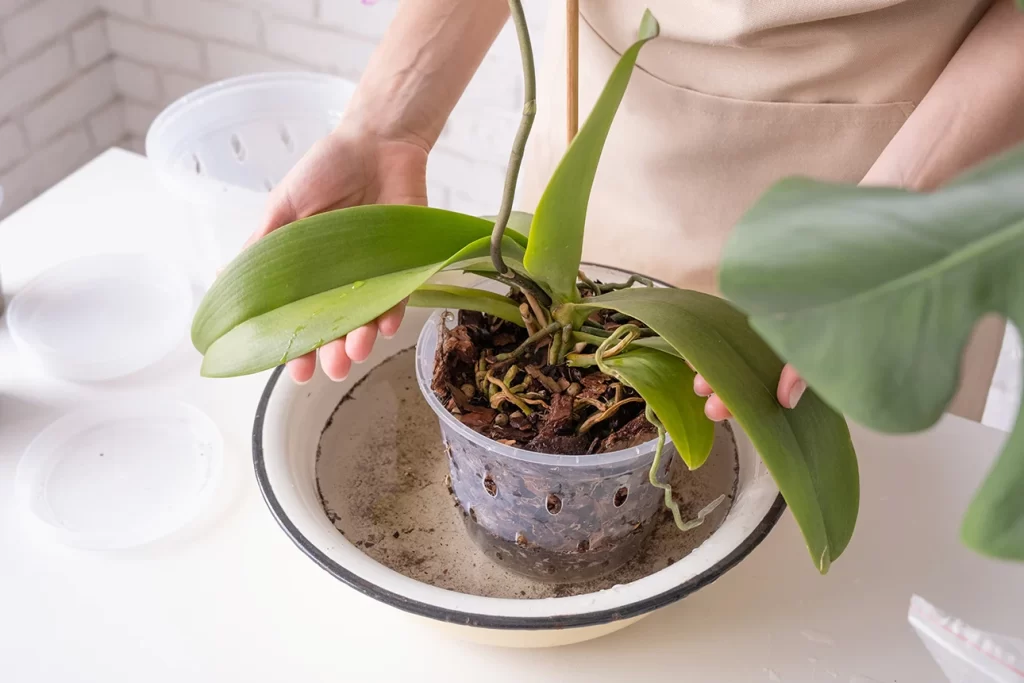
(790, 389)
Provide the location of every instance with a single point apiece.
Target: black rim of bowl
(491, 621)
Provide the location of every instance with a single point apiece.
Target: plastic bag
(965, 654)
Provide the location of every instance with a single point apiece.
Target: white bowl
(289, 421)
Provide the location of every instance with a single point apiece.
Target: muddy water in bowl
(381, 475)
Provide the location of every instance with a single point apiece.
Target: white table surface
(233, 599)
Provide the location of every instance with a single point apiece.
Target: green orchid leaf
(519, 222)
(289, 331)
(327, 251)
(807, 450)
(666, 383)
(466, 299)
(294, 329)
(556, 235)
(872, 295)
(512, 254)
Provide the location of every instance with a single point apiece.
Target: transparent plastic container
(223, 148)
(102, 316)
(120, 473)
(966, 654)
(554, 518)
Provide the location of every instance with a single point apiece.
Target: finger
(791, 387)
(280, 211)
(334, 360)
(359, 343)
(701, 386)
(388, 323)
(716, 410)
(302, 368)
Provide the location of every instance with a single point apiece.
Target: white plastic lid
(100, 317)
(120, 474)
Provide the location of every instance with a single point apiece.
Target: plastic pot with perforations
(554, 518)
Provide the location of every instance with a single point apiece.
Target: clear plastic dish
(120, 474)
(101, 317)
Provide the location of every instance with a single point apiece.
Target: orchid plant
(321, 277)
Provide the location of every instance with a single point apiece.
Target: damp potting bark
(495, 382)
(563, 366)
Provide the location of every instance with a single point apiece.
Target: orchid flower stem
(516, 158)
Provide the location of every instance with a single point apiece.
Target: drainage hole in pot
(520, 539)
(238, 148)
(490, 486)
(286, 138)
(472, 514)
(554, 504)
(620, 496)
(583, 546)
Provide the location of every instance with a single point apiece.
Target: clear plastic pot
(553, 518)
(224, 146)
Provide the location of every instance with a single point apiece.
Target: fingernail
(796, 392)
(387, 336)
(302, 383)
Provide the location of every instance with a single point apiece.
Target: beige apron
(734, 95)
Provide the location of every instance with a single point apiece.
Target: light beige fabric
(733, 96)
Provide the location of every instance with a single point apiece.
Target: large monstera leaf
(872, 294)
(807, 450)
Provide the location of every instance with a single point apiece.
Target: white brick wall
(165, 48)
(110, 66)
(40, 23)
(56, 76)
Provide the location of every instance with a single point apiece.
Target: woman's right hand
(349, 167)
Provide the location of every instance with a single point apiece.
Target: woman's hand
(349, 167)
(379, 153)
(789, 391)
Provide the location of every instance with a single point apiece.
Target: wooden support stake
(572, 67)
